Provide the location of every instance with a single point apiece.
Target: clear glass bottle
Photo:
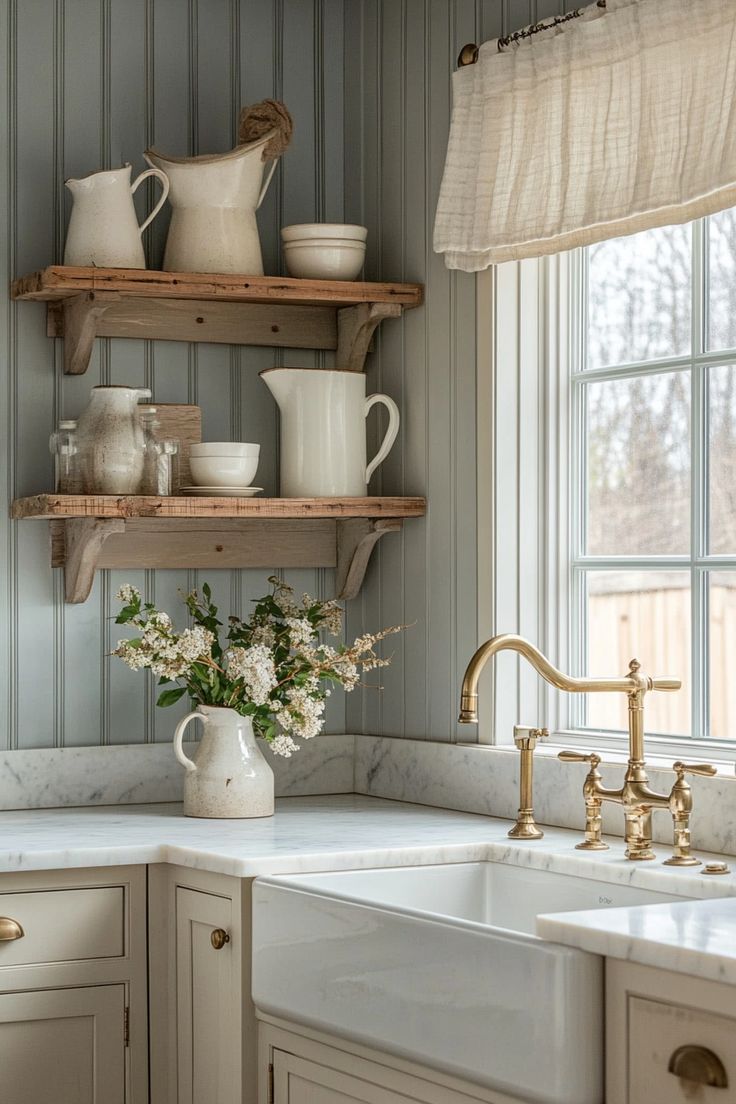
(151, 451)
(64, 448)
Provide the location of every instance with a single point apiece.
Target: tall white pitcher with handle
(103, 228)
(323, 431)
(214, 199)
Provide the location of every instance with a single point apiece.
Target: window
(652, 477)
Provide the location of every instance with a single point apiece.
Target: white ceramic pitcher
(103, 228)
(323, 431)
(110, 441)
(228, 776)
(214, 199)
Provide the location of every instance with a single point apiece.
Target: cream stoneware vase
(103, 228)
(110, 441)
(228, 776)
(214, 200)
(323, 431)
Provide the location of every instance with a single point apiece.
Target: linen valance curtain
(619, 120)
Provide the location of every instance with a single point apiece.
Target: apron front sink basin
(440, 965)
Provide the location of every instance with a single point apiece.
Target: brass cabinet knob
(219, 938)
(697, 1063)
(10, 930)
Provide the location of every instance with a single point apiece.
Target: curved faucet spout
(633, 683)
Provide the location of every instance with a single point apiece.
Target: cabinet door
(208, 1046)
(299, 1081)
(63, 1046)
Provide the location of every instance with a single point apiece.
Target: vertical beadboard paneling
(90, 84)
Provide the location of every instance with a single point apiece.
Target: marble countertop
(689, 937)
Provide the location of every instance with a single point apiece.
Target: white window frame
(527, 334)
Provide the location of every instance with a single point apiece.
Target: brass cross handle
(10, 930)
(681, 769)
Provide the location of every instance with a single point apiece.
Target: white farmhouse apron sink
(439, 965)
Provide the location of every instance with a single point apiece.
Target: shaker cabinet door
(63, 1046)
(208, 1045)
(298, 1081)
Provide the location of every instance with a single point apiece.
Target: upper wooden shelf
(85, 303)
(189, 506)
(89, 532)
(61, 281)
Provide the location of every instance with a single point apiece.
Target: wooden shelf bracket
(356, 539)
(355, 328)
(81, 314)
(84, 539)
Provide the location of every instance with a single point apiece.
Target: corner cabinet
(73, 993)
(89, 532)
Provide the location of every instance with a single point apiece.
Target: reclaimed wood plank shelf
(85, 303)
(139, 531)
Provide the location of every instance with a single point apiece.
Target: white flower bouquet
(275, 668)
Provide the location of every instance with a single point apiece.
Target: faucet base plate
(682, 860)
(524, 830)
(592, 845)
(645, 855)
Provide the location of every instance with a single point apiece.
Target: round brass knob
(10, 929)
(698, 1064)
(219, 938)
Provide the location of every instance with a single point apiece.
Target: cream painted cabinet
(73, 987)
(300, 1066)
(670, 1038)
(207, 1052)
(63, 1046)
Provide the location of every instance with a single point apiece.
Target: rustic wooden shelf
(89, 532)
(85, 303)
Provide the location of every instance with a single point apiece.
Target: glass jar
(63, 446)
(159, 457)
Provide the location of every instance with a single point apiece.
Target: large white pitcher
(214, 199)
(228, 776)
(323, 431)
(103, 228)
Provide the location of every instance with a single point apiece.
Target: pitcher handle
(164, 182)
(394, 420)
(267, 181)
(185, 761)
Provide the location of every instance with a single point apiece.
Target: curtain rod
(469, 53)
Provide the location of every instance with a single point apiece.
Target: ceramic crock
(228, 777)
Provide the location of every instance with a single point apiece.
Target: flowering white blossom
(127, 593)
(283, 745)
(255, 666)
(300, 631)
(196, 642)
(302, 713)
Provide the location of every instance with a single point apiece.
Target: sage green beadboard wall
(398, 102)
(88, 84)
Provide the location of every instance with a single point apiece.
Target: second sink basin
(439, 964)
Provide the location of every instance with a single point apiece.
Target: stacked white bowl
(324, 250)
(218, 465)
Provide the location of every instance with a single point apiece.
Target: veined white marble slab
(486, 780)
(342, 832)
(692, 937)
(137, 773)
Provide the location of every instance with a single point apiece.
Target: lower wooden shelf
(89, 532)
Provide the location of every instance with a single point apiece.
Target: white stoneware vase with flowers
(269, 678)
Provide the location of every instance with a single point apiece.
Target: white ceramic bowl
(224, 448)
(328, 259)
(303, 231)
(223, 471)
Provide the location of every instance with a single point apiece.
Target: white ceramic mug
(323, 431)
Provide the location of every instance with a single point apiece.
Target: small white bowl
(327, 260)
(223, 471)
(224, 448)
(303, 231)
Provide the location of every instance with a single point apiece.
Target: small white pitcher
(228, 776)
(103, 228)
(323, 431)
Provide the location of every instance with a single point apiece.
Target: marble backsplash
(132, 774)
(481, 779)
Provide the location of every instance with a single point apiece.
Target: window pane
(639, 465)
(643, 615)
(722, 475)
(723, 655)
(639, 297)
(722, 287)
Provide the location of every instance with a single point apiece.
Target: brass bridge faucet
(635, 795)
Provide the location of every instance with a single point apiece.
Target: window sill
(725, 767)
